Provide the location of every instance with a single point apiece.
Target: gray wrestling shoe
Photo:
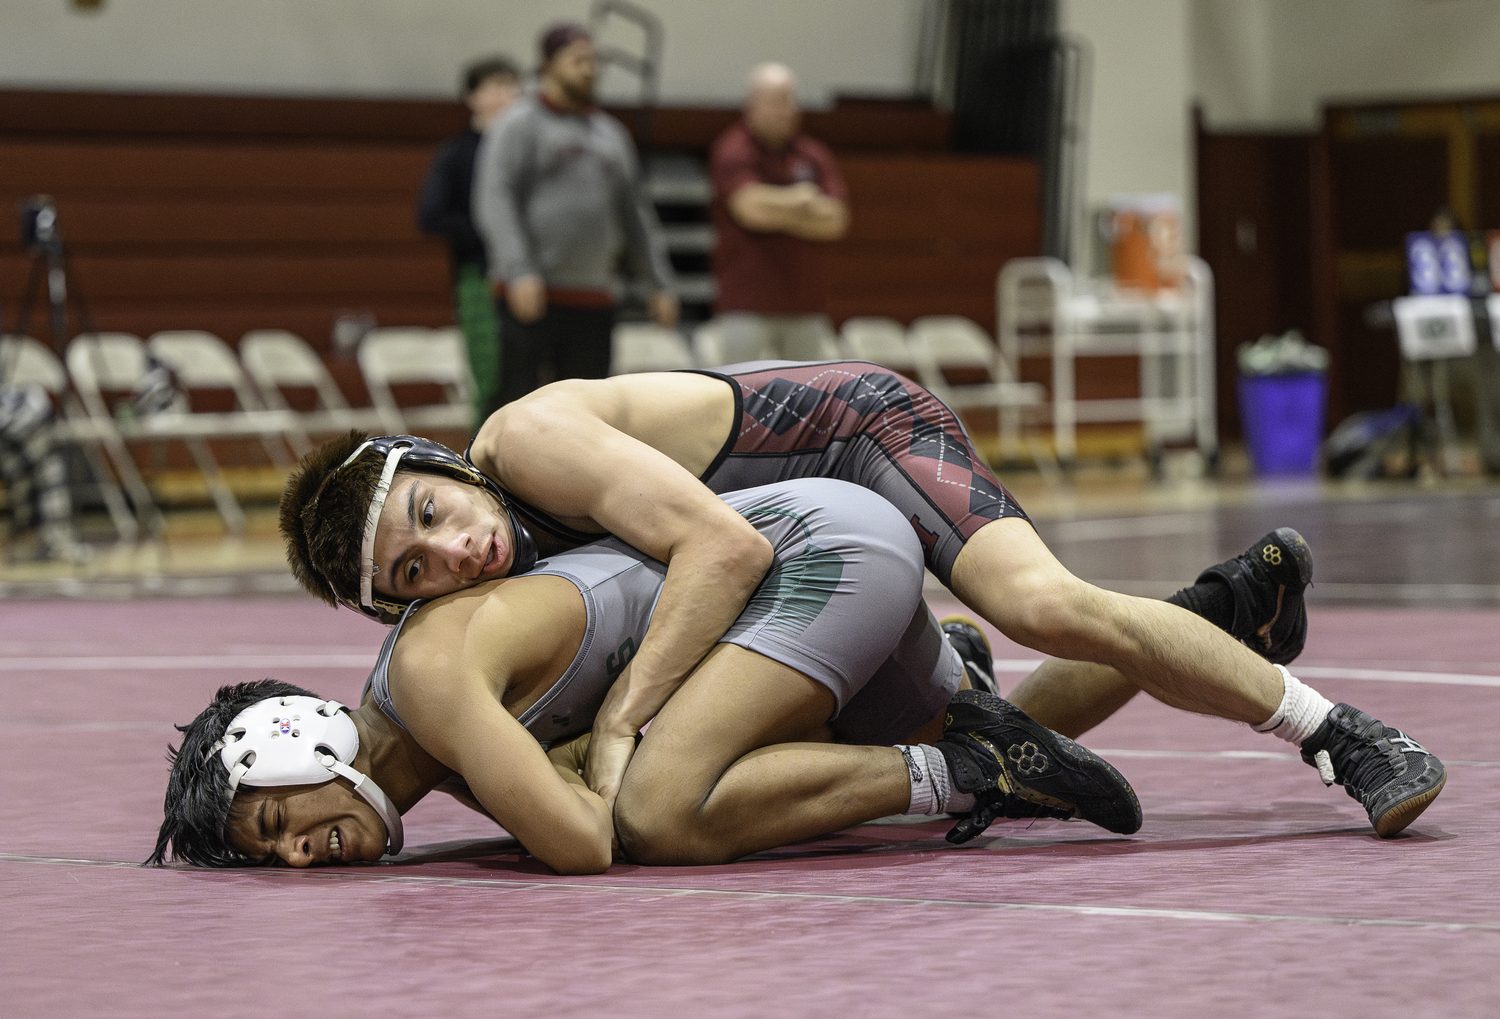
(973, 650)
(1017, 767)
(1391, 774)
(1266, 582)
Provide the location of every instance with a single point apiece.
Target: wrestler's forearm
(564, 824)
(579, 840)
(704, 593)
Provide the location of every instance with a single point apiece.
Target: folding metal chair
(276, 359)
(953, 342)
(940, 342)
(646, 347)
(203, 361)
(881, 340)
(708, 345)
(404, 356)
(115, 362)
(26, 362)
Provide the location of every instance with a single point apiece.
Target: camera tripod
(100, 443)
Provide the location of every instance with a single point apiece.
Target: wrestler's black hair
(323, 516)
(480, 71)
(197, 808)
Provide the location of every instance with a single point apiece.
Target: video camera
(39, 224)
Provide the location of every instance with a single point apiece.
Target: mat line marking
(92, 663)
(1387, 595)
(1252, 755)
(1130, 912)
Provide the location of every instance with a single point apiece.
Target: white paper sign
(1492, 305)
(1434, 327)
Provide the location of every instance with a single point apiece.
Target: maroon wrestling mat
(1251, 890)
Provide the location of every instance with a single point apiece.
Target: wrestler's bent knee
(651, 838)
(1047, 613)
(643, 820)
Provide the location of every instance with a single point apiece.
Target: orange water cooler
(1145, 233)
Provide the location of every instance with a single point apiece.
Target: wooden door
(1254, 231)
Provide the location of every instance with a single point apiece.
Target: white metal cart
(1045, 311)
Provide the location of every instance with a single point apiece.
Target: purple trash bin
(1283, 419)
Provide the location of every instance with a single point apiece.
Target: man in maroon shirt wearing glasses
(778, 194)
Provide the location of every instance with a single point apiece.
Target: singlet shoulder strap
(378, 684)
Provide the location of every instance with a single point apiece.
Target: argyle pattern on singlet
(865, 424)
(873, 392)
(782, 404)
(785, 406)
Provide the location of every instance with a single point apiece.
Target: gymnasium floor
(1251, 890)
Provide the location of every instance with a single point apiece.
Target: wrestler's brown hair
(323, 513)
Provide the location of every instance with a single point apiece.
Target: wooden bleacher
(230, 213)
(234, 213)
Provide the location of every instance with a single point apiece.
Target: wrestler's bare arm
(456, 787)
(567, 758)
(581, 452)
(449, 674)
(683, 415)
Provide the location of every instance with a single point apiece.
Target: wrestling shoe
(973, 649)
(1391, 774)
(1017, 767)
(1266, 583)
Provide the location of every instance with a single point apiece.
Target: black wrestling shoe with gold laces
(1017, 767)
(1266, 582)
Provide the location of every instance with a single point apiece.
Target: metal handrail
(646, 66)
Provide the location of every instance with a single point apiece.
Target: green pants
(481, 328)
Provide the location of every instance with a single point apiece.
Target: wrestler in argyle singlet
(859, 422)
(853, 421)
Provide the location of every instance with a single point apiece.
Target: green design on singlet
(795, 592)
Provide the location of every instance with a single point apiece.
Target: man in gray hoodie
(557, 197)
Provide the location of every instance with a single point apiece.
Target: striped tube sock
(932, 789)
(1302, 710)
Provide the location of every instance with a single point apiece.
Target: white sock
(932, 789)
(1302, 710)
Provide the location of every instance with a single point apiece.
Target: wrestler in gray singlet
(842, 604)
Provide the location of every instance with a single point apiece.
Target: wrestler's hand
(527, 298)
(569, 756)
(604, 770)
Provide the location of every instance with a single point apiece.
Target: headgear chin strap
(421, 455)
(301, 741)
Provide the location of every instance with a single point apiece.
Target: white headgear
(301, 741)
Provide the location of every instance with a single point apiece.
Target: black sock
(1211, 599)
